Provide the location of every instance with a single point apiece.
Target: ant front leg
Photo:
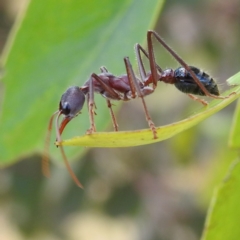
(111, 94)
(114, 121)
(91, 106)
(135, 88)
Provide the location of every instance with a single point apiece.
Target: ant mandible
(187, 79)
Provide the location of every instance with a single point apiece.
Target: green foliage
(223, 215)
(234, 139)
(56, 44)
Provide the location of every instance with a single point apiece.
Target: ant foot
(228, 96)
(115, 126)
(231, 94)
(91, 130)
(203, 102)
(154, 133)
(153, 128)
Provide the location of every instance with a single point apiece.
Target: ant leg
(202, 101)
(91, 106)
(138, 50)
(152, 60)
(45, 159)
(135, 88)
(146, 80)
(111, 94)
(114, 121)
(178, 59)
(141, 67)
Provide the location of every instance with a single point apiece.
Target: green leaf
(143, 137)
(223, 215)
(55, 44)
(234, 138)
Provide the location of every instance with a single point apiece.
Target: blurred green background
(159, 191)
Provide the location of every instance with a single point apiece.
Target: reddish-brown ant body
(187, 79)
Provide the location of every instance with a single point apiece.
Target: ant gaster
(187, 79)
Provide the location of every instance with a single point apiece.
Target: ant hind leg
(202, 101)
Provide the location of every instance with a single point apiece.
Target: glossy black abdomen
(185, 83)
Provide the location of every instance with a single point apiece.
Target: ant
(124, 87)
(187, 79)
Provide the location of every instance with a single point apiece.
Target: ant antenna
(45, 161)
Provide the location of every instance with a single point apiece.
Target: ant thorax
(167, 76)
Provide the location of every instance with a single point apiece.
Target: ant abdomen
(185, 82)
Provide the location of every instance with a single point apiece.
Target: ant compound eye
(72, 101)
(65, 108)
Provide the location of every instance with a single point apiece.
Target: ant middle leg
(135, 89)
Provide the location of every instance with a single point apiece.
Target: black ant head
(70, 105)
